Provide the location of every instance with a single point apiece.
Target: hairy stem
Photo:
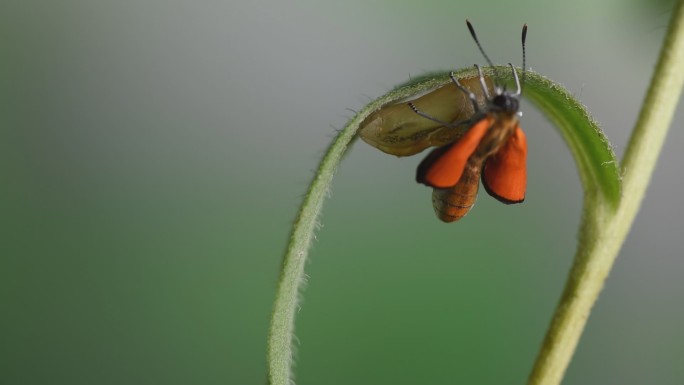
(292, 277)
(603, 232)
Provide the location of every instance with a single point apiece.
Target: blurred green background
(153, 155)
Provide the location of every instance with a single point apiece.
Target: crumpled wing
(443, 167)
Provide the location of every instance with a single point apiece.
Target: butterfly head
(506, 102)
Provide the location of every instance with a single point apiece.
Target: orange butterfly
(488, 142)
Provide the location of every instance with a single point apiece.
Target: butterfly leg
(517, 81)
(426, 116)
(471, 95)
(482, 82)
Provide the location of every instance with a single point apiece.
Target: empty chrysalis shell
(396, 129)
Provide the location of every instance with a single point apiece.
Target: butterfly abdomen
(452, 204)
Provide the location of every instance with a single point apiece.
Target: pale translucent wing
(397, 130)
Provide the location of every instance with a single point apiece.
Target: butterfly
(477, 137)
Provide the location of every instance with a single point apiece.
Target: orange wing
(505, 173)
(443, 167)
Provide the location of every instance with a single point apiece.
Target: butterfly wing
(443, 167)
(505, 173)
(398, 130)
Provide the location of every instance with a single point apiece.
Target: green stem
(292, 275)
(604, 231)
(292, 271)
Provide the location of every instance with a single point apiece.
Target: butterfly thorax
(503, 127)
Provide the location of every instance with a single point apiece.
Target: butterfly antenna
(524, 70)
(472, 33)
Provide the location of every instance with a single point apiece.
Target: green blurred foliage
(153, 154)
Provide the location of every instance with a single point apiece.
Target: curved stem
(292, 277)
(603, 232)
(292, 270)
